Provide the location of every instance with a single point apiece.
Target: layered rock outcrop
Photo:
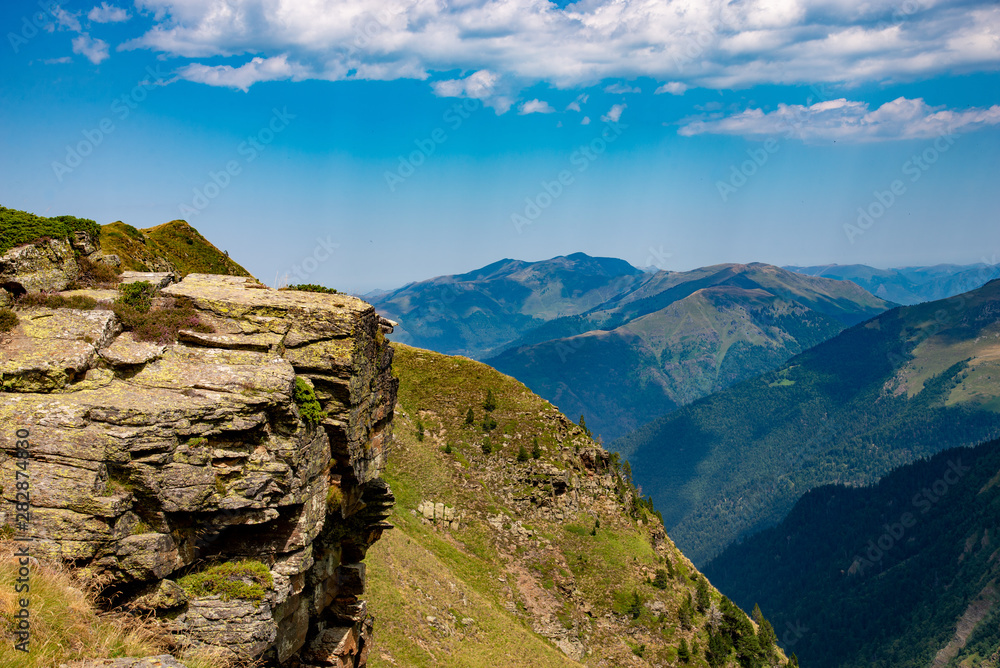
(152, 464)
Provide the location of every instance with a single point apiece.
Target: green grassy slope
(178, 244)
(551, 561)
(884, 576)
(906, 384)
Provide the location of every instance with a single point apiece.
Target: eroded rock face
(149, 459)
(41, 266)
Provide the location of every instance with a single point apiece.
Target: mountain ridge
(727, 322)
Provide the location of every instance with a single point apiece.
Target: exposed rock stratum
(151, 462)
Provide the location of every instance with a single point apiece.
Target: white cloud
(482, 85)
(713, 43)
(672, 87)
(847, 121)
(614, 113)
(58, 61)
(95, 50)
(244, 76)
(65, 20)
(621, 89)
(108, 14)
(535, 107)
(575, 104)
(585, 121)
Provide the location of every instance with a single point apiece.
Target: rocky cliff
(196, 479)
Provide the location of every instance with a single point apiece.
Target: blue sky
(363, 145)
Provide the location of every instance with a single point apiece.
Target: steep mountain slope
(472, 313)
(909, 285)
(507, 559)
(173, 246)
(680, 336)
(903, 574)
(908, 383)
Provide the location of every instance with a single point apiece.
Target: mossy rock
(246, 580)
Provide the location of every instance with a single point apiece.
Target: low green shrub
(138, 295)
(20, 227)
(312, 287)
(309, 406)
(334, 499)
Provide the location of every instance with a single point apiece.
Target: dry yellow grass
(66, 624)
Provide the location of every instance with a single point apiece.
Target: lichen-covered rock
(149, 459)
(110, 259)
(84, 243)
(47, 265)
(50, 348)
(158, 279)
(126, 351)
(165, 595)
(245, 628)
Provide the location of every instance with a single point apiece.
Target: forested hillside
(906, 384)
(902, 574)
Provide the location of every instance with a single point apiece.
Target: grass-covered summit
(176, 243)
